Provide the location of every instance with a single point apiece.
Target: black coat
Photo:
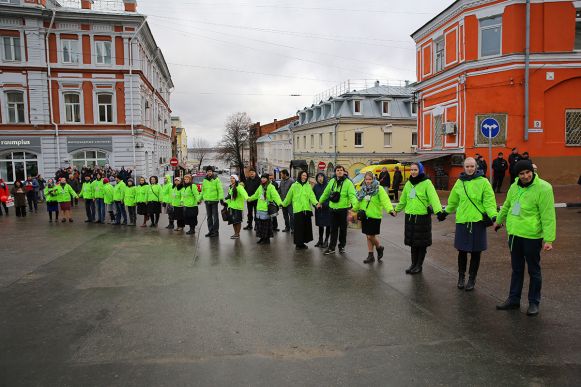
(385, 179)
(499, 166)
(251, 185)
(397, 178)
(513, 159)
(323, 214)
(418, 230)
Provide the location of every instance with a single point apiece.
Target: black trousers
(212, 217)
(497, 181)
(132, 214)
(474, 262)
(288, 216)
(338, 228)
(20, 211)
(90, 209)
(32, 201)
(3, 205)
(395, 192)
(525, 250)
(251, 206)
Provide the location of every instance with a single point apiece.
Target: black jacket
(499, 165)
(513, 159)
(384, 179)
(251, 185)
(397, 178)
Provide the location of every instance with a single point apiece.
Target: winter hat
(235, 177)
(105, 180)
(265, 176)
(523, 165)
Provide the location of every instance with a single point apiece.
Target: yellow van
(376, 170)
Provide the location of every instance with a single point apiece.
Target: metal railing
(355, 85)
(98, 5)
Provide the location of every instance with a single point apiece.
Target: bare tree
(200, 150)
(232, 144)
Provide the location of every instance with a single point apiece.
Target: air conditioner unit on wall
(449, 128)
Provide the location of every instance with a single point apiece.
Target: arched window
(330, 170)
(89, 159)
(312, 169)
(18, 166)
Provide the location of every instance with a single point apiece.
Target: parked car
(198, 179)
(376, 170)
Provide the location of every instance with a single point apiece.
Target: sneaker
(208, 235)
(286, 230)
(302, 247)
(329, 251)
(341, 250)
(248, 227)
(190, 232)
(507, 305)
(235, 237)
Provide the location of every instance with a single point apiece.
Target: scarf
(465, 177)
(418, 179)
(368, 190)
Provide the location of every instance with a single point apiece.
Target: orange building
(474, 65)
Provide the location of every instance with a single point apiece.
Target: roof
(286, 128)
(383, 90)
(436, 17)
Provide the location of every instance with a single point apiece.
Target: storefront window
(18, 166)
(89, 159)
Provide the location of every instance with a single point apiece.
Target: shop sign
(16, 142)
(100, 143)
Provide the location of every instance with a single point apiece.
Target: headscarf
(368, 190)
(319, 188)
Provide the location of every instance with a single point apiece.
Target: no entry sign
(173, 162)
(322, 166)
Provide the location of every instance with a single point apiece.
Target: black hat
(209, 169)
(523, 165)
(265, 176)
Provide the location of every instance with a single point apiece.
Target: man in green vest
(212, 194)
(88, 194)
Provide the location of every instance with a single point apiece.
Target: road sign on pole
(490, 129)
(173, 162)
(322, 166)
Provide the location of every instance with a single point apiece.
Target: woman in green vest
(52, 205)
(419, 201)
(108, 199)
(265, 195)
(472, 199)
(166, 200)
(177, 203)
(141, 199)
(191, 198)
(129, 200)
(302, 198)
(235, 201)
(372, 200)
(153, 197)
(64, 195)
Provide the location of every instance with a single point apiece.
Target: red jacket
(4, 191)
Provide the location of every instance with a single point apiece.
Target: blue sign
(490, 127)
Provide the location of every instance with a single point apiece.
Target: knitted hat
(523, 165)
(235, 177)
(265, 176)
(105, 180)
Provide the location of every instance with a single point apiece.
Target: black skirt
(303, 228)
(191, 216)
(418, 230)
(471, 237)
(323, 217)
(142, 208)
(178, 213)
(154, 208)
(371, 226)
(235, 216)
(264, 228)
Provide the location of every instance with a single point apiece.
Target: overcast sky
(227, 56)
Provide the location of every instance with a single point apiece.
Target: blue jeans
(90, 209)
(120, 212)
(100, 209)
(212, 217)
(525, 250)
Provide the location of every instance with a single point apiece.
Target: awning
(299, 164)
(409, 158)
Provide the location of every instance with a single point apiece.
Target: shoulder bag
(485, 218)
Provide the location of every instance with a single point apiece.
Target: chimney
(87, 4)
(130, 5)
(376, 83)
(407, 83)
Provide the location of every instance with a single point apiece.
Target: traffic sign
(322, 166)
(173, 162)
(490, 127)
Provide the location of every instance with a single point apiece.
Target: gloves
(442, 216)
(497, 227)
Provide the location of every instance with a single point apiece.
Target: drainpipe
(527, 60)
(131, 89)
(50, 103)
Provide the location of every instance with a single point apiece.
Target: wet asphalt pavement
(98, 305)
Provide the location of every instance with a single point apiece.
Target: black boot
(474, 265)
(319, 243)
(471, 283)
(370, 258)
(461, 278)
(379, 252)
(418, 268)
(414, 261)
(170, 226)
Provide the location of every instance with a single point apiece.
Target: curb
(567, 205)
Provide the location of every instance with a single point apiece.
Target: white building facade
(275, 150)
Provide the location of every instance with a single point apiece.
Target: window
(70, 50)
(358, 139)
(578, 30)
(89, 159)
(331, 140)
(298, 142)
(439, 54)
(573, 127)
(414, 108)
(356, 107)
(103, 49)
(415, 138)
(387, 139)
(312, 140)
(105, 102)
(490, 36)
(15, 104)
(12, 49)
(72, 108)
(18, 166)
(385, 108)
(321, 140)
(304, 142)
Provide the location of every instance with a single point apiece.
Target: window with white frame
(414, 138)
(385, 108)
(356, 107)
(358, 138)
(439, 54)
(15, 107)
(70, 51)
(72, 107)
(573, 127)
(11, 49)
(387, 139)
(578, 30)
(89, 159)
(103, 51)
(105, 107)
(490, 36)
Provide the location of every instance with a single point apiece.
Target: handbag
(10, 202)
(225, 214)
(335, 196)
(485, 218)
(362, 214)
(272, 209)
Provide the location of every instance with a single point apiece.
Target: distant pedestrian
(385, 179)
(212, 194)
(342, 196)
(31, 195)
(4, 195)
(473, 201)
(274, 218)
(372, 200)
(52, 205)
(481, 164)
(166, 193)
(153, 197)
(190, 198)
(108, 199)
(99, 193)
(513, 158)
(130, 202)
(266, 195)
(118, 198)
(251, 185)
(499, 166)
(19, 194)
(419, 201)
(526, 156)
(41, 187)
(88, 195)
(65, 194)
(397, 180)
(235, 200)
(529, 213)
(322, 213)
(177, 203)
(302, 200)
(287, 212)
(141, 199)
